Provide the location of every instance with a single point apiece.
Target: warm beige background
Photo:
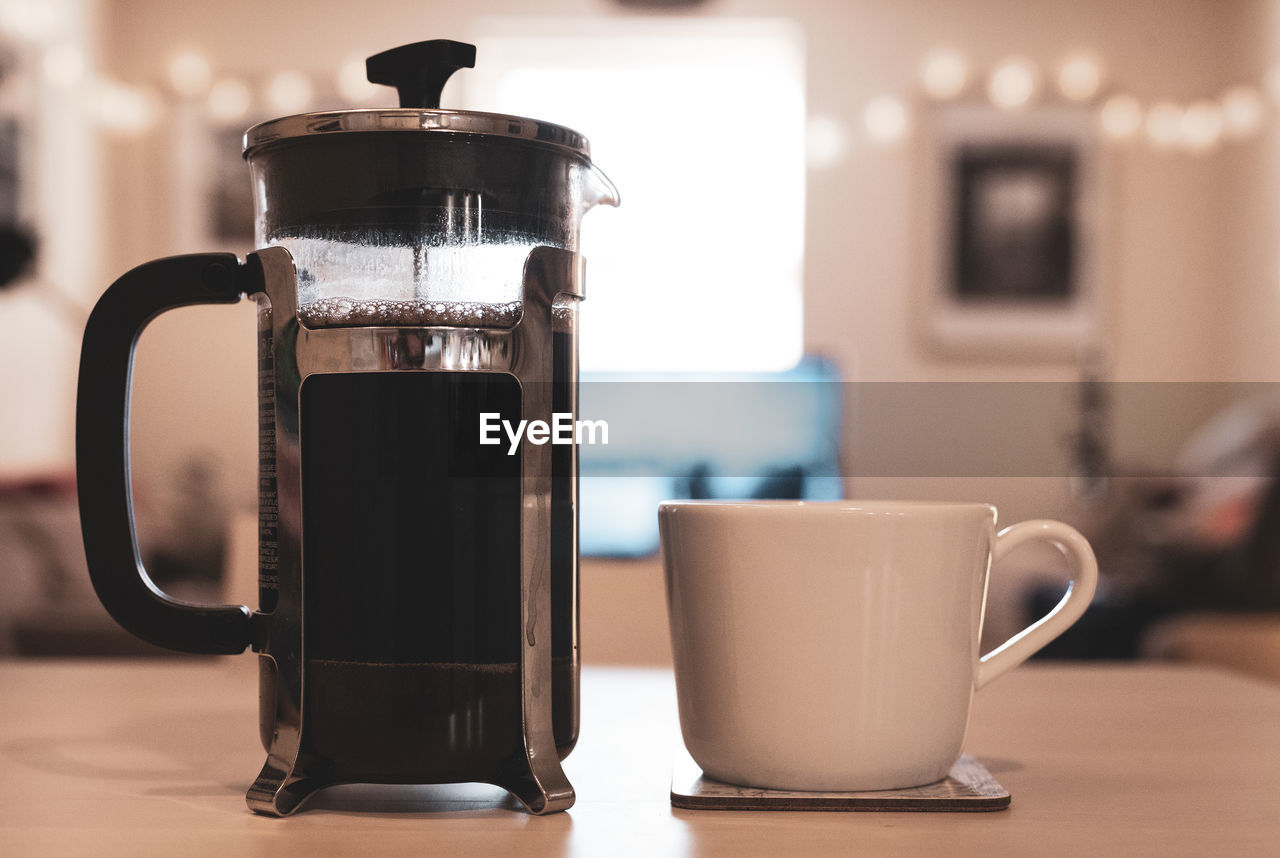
(1191, 276)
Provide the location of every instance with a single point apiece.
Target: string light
(944, 75)
(1121, 117)
(353, 84)
(1199, 127)
(1202, 126)
(825, 141)
(1164, 124)
(1079, 78)
(189, 74)
(1013, 83)
(886, 120)
(289, 92)
(229, 100)
(123, 109)
(1242, 111)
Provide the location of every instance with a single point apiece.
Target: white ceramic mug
(835, 646)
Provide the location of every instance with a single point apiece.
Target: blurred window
(701, 127)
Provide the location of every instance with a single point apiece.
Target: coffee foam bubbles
(355, 312)
(391, 281)
(375, 268)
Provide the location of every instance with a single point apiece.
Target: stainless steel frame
(290, 353)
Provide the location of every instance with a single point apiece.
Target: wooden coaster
(968, 787)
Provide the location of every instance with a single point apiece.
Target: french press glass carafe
(418, 275)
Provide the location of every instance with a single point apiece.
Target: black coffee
(411, 564)
(425, 723)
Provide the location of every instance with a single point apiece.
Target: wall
(1191, 283)
(1252, 261)
(1188, 273)
(41, 313)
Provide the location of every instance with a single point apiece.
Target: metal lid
(418, 71)
(411, 119)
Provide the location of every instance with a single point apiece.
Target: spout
(598, 189)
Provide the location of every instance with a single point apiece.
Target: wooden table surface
(153, 758)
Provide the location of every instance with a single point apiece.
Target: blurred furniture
(1201, 539)
(1173, 579)
(47, 603)
(43, 577)
(84, 629)
(130, 758)
(1246, 642)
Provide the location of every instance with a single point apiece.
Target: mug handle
(1084, 581)
(102, 449)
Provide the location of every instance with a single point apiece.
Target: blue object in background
(712, 436)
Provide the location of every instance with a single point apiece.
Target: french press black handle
(419, 71)
(102, 449)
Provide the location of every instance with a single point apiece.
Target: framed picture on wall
(1012, 203)
(229, 192)
(212, 195)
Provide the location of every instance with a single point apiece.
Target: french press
(418, 274)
